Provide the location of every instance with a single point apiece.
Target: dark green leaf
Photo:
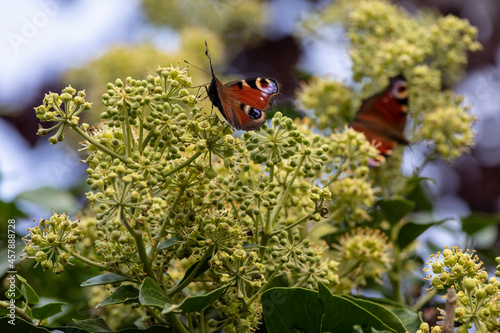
(199, 302)
(409, 318)
(96, 325)
(104, 279)
(411, 230)
(152, 294)
(286, 309)
(29, 294)
(122, 294)
(47, 310)
(17, 293)
(204, 267)
(394, 210)
(420, 193)
(477, 221)
(343, 312)
(170, 243)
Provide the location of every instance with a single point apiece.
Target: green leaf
(122, 294)
(420, 193)
(199, 302)
(29, 294)
(93, 325)
(343, 312)
(170, 243)
(477, 221)
(204, 267)
(394, 210)
(287, 309)
(47, 310)
(409, 318)
(16, 291)
(411, 230)
(152, 294)
(61, 201)
(17, 325)
(104, 279)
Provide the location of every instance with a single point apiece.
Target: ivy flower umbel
(51, 110)
(363, 254)
(331, 101)
(351, 198)
(478, 297)
(449, 128)
(350, 150)
(451, 267)
(240, 268)
(51, 242)
(272, 145)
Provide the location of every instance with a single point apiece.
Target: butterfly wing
(382, 117)
(243, 103)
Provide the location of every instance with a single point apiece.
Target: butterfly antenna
(209, 59)
(201, 69)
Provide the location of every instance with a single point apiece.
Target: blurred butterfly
(243, 103)
(382, 117)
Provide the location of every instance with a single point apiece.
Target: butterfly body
(382, 117)
(243, 103)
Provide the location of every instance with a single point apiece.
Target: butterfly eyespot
(254, 113)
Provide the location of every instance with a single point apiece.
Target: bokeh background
(47, 44)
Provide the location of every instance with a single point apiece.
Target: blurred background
(48, 44)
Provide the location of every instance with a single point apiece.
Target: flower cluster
(331, 101)
(363, 254)
(67, 116)
(478, 296)
(304, 262)
(51, 242)
(386, 41)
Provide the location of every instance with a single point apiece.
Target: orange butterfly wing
(382, 117)
(244, 102)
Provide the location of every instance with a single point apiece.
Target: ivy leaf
(197, 303)
(204, 267)
(287, 309)
(93, 325)
(394, 210)
(477, 221)
(411, 230)
(152, 294)
(170, 243)
(46, 311)
(29, 294)
(122, 294)
(104, 279)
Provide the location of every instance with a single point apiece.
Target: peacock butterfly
(382, 117)
(243, 103)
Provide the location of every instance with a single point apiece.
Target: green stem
(422, 301)
(299, 221)
(282, 199)
(191, 276)
(97, 144)
(141, 249)
(19, 312)
(184, 164)
(176, 323)
(83, 259)
(395, 276)
(159, 236)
